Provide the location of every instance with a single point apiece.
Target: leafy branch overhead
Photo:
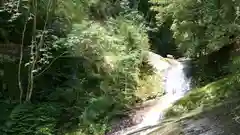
(75, 66)
(77, 54)
(200, 27)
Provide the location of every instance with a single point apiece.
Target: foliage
(150, 82)
(234, 64)
(200, 27)
(203, 30)
(210, 95)
(32, 119)
(150, 86)
(82, 62)
(111, 54)
(81, 66)
(207, 31)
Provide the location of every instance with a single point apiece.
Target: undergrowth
(83, 91)
(150, 83)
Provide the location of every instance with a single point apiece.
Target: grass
(208, 96)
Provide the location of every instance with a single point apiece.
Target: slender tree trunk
(33, 55)
(20, 64)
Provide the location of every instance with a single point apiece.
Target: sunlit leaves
(112, 52)
(204, 24)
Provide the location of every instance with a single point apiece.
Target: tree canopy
(200, 27)
(73, 66)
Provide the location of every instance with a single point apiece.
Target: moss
(210, 95)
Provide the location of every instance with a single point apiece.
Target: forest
(70, 67)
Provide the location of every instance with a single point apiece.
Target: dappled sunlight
(149, 86)
(95, 67)
(208, 95)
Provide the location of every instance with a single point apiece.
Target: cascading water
(177, 83)
(176, 86)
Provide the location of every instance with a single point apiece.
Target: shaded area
(212, 121)
(213, 66)
(160, 37)
(85, 59)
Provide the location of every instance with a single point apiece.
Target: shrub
(110, 55)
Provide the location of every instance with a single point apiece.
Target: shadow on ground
(209, 121)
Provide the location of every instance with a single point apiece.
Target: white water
(176, 86)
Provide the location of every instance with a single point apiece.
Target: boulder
(170, 56)
(158, 62)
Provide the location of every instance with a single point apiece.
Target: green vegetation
(207, 32)
(150, 86)
(199, 27)
(80, 65)
(70, 67)
(211, 95)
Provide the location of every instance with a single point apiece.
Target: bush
(93, 82)
(150, 86)
(199, 27)
(107, 75)
(31, 119)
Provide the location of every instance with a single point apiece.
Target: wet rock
(170, 56)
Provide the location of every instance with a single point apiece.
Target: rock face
(217, 121)
(158, 62)
(170, 56)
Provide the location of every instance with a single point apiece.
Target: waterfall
(177, 84)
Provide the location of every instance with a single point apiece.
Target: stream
(150, 117)
(177, 84)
